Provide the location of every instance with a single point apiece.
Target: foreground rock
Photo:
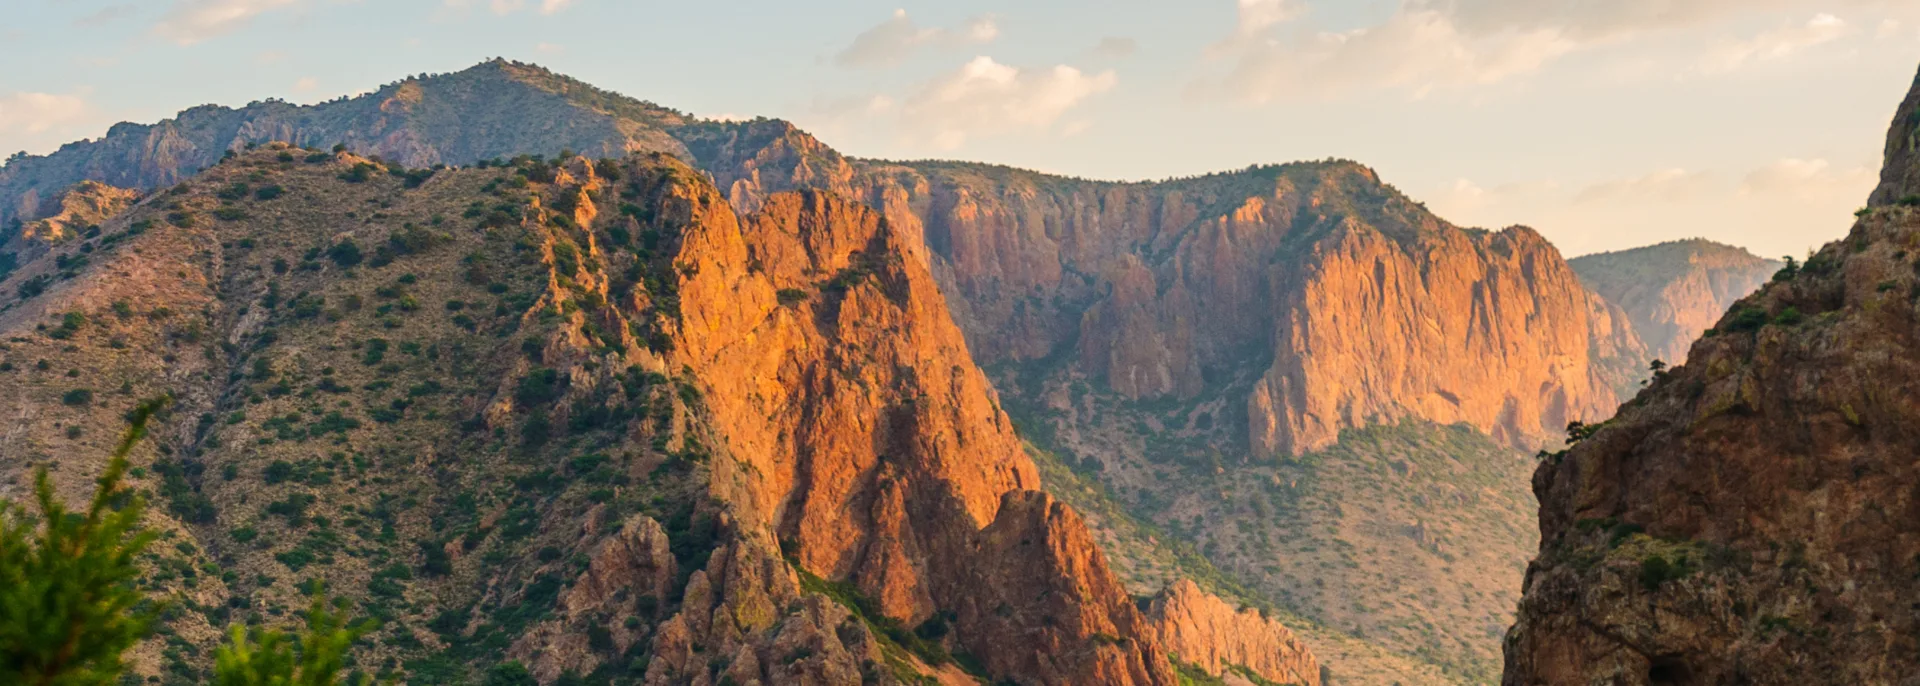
(1750, 518)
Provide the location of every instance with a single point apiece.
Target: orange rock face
(1750, 518)
(1204, 630)
(859, 430)
(1373, 331)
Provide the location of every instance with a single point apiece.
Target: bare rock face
(860, 432)
(1750, 518)
(1204, 630)
(1372, 333)
(1038, 566)
(1673, 292)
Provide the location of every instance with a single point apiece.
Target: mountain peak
(1900, 178)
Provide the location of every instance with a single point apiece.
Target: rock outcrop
(1372, 331)
(863, 434)
(1673, 292)
(1750, 517)
(1204, 630)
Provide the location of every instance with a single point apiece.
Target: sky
(1604, 124)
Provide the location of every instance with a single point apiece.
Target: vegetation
(273, 658)
(68, 602)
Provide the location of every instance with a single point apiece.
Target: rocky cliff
(1204, 630)
(1749, 518)
(1223, 329)
(1673, 292)
(580, 415)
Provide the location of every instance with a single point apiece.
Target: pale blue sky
(1602, 124)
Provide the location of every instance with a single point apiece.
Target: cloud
(1115, 47)
(193, 21)
(506, 7)
(894, 40)
(549, 48)
(1253, 18)
(1775, 44)
(305, 84)
(38, 112)
(105, 15)
(1814, 179)
(1418, 51)
(987, 97)
(1667, 185)
(1426, 45)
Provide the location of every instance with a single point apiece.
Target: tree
(68, 604)
(273, 658)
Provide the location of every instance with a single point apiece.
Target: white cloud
(554, 6)
(305, 84)
(38, 112)
(193, 21)
(1427, 45)
(549, 48)
(1418, 51)
(986, 97)
(1775, 44)
(1253, 18)
(1814, 179)
(1667, 185)
(897, 38)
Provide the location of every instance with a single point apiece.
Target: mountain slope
(1223, 329)
(1750, 517)
(1674, 291)
(578, 414)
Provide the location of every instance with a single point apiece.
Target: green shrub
(272, 658)
(1749, 319)
(67, 580)
(345, 253)
(540, 386)
(77, 397)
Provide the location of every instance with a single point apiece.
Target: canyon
(1294, 384)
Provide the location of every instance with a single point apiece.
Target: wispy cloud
(105, 15)
(897, 38)
(507, 7)
(987, 97)
(193, 21)
(1776, 44)
(28, 112)
(1428, 45)
(1666, 185)
(1814, 179)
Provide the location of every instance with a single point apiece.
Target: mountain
(1231, 359)
(1749, 517)
(579, 414)
(495, 109)
(1674, 291)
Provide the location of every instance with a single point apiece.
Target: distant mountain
(1749, 518)
(495, 109)
(1674, 291)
